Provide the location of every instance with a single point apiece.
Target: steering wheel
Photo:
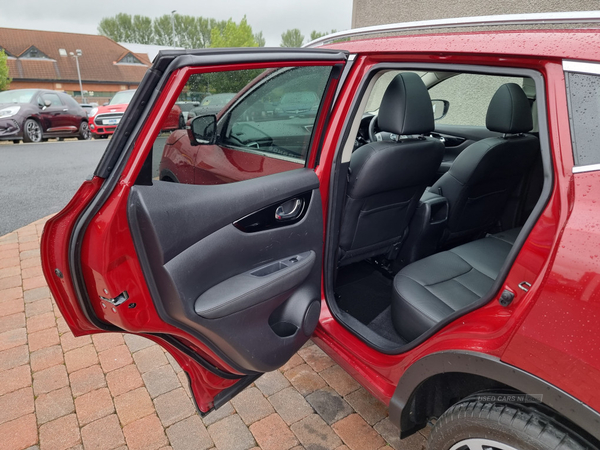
(372, 126)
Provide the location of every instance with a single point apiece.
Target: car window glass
(263, 124)
(70, 101)
(17, 96)
(584, 113)
(123, 97)
(469, 96)
(53, 98)
(278, 115)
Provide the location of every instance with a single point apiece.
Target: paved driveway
(40, 179)
(115, 391)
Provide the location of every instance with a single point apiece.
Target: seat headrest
(406, 106)
(509, 110)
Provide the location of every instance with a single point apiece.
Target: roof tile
(97, 63)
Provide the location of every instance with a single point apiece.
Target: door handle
(66, 109)
(289, 210)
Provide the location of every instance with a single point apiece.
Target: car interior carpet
(362, 291)
(384, 327)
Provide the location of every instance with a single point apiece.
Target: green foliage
(163, 31)
(259, 39)
(233, 35)
(190, 31)
(317, 34)
(292, 38)
(142, 32)
(118, 28)
(4, 78)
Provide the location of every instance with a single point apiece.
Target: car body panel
(214, 164)
(102, 123)
(560, 330)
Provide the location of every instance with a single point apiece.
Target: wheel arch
(439, 380)
(36, 118)
(166, 173)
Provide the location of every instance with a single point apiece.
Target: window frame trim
(585, 68)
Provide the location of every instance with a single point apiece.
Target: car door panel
(206, 273)
(227, 277)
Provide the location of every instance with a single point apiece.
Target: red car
(450, 266)
(104, 119)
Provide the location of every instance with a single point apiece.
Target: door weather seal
(205, 364)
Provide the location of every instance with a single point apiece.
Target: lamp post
(76, 55)
(173, 24)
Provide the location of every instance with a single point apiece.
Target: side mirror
(440, 108)
(47, 103)
(203, 130)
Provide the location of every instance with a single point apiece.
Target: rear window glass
(584, 114)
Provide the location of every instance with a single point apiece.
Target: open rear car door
(226, 276)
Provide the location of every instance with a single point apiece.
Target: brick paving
(116, 391)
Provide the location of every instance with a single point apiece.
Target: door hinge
(119, 299)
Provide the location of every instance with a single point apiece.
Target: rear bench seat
(427, 291)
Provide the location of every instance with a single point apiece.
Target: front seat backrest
(386, 179)
(480, 180)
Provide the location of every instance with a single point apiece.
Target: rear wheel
(473, 425)
(84, 131)
(32, 131)
(181, 122)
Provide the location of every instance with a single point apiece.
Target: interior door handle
(289, 210)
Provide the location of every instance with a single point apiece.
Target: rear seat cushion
(427, 291)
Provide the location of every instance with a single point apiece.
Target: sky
(272, 17)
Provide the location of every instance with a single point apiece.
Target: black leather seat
(481, 179)
(386, 179)
(427, 291)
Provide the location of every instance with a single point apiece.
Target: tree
(142, 30)
(233, 35)
(292, 38)
(317, 34)
(163, 31)
(259, 39)
(190, 31)
(4, 78)
(118, 28)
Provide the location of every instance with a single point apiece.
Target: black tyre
(32, 131)
(181, 122)
(84, 131)
(473, 425)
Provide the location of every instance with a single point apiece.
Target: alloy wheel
(480, 444)
(84, 131)
(33, 130)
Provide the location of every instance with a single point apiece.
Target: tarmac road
(39, 179)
